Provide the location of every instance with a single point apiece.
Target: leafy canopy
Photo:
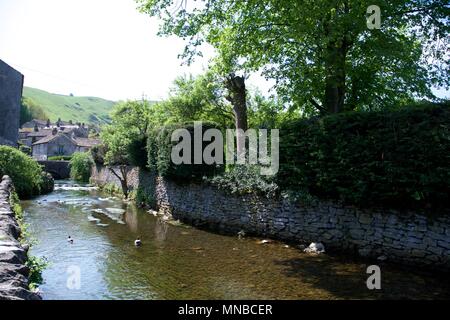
(314, 48)
(130, 121)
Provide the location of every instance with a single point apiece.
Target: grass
(78, 109)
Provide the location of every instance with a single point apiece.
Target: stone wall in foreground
(13, 272)
(410, 238)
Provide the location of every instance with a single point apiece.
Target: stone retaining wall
(408, 238)
(13, 256)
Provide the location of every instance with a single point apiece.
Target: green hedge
(60, 158)
(25, 172)
(392, 158)
(159, 148)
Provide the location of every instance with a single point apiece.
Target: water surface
(179, 262)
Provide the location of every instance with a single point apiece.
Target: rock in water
(315, 247)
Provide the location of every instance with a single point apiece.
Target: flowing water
(180, 262)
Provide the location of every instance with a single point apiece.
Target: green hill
(78, 109)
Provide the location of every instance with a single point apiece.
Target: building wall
(11, 85)
(53, 148)
(40, 151)
(411, 238)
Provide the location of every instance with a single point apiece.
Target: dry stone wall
(410, 238)
(13, 256)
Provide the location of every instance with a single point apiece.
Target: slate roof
(86, 142)
(40, 133)
(80, 142)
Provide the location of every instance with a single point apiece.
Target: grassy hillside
(78, 109)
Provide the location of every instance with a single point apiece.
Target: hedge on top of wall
(387, 158)
(159, 148)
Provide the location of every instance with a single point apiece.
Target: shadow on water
(346, 279)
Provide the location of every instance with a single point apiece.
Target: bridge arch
(58, 169)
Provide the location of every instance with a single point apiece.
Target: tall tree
(321, 53)
(130, 121)
(29, 110)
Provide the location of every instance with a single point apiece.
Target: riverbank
(14, 274)
(412, 238)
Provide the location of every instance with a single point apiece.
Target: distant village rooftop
(62, 138)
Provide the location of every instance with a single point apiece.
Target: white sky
(103, 48)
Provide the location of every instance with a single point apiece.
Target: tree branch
(317, 106)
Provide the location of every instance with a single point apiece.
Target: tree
(130, 121)
(80, 166)
(194, 99)
(29, 110)
(321, 53)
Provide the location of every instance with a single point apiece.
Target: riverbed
(176, 261)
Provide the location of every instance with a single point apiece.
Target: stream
(181, 262)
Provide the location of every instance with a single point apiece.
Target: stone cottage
(61, 144)
(11, 85)
(33, 131)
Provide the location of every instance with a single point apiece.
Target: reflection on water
(185, 263)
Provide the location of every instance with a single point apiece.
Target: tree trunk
(122, 178)
(237, 95)
(335, 78)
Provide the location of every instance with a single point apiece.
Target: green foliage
(29, 110)
(159, 147)
(80, 166)
(265, 113)
(47, 183)
(138, 153)
(387, 158)
(320, 53)
(25, 149)
(36, 266)
(98, 153)
(112, 188)
(126, 133)
(25, 172)
(18, 214)
(243, 179)
(194, 99)
(143, 197)
(78, 109)
(60, 158)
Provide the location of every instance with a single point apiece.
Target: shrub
(25, 172)
(25, 149)
(80, 166)
(242, 179)
(60, 158)
(159, 148)
(98, 154)
(47, 183)
(393, 158)
(138, 153)
(112, 188)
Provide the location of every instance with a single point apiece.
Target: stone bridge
(58, 169)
